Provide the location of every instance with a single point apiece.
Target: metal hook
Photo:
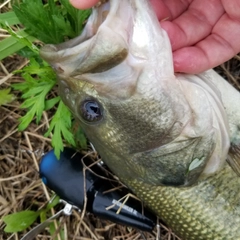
(67, 210)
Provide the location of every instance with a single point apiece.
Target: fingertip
(179, 62)
(83, 4)
(190, 60)
(161, 10)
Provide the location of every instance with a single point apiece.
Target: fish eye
(91, 111)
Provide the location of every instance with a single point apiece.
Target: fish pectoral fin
(233, 158)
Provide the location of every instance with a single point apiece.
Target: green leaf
(22, 38)
(43, 215)
(50, 205)
(35, 91)
(17, 222)
(5, 96)
(9, 17)
(26, 52)
(10, 45)
(61, 125)
(75, 17)
(51, 103)
(50, 22)
(53, 203)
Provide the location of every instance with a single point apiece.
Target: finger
(195, 24)
(169, 9)
(83, 4)
(232, 8)
(217, 48)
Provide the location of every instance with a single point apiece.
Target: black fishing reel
(68, 179)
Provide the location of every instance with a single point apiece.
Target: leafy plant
(35, 90)
(53, 22)
(50, 23)
(10, 44)
(5, 96)
(60, 125)
(20, 221)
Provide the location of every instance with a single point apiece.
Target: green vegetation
(5, 96)
(53, 22)
(20, 221)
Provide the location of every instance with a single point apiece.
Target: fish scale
(204, 208)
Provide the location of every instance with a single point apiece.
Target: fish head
(117, 78)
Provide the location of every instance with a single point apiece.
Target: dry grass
(20, 152)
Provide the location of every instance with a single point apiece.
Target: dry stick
(11, 74)
(44, 187)
(229, 75)
(4, 69)
(106, 228)
(85, 197)
(5, 3)
(237, 57)
(77, 231)
(16, 176)
(65, 231)
(29, 189)
(11, 236)
(87, 228)
(137, 236)
(126, 197)
(85, 200)
(9, 112)
(3, 35)
(38, 136)
(89, 168)
(31, 150)
(61, 222)
(44, 123)
(9, 134)
(45, 116)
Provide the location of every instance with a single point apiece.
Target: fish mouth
(98, 48)
(113, 49)
(100, 12)
(102, 8)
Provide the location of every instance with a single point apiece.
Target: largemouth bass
(173, 139)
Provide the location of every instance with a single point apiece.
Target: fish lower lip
(101, 3)
(103, 7)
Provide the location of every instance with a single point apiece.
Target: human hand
(203, 33)
(83, 4)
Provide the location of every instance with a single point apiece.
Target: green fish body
(173, 139)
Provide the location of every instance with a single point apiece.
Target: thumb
(83, 4)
